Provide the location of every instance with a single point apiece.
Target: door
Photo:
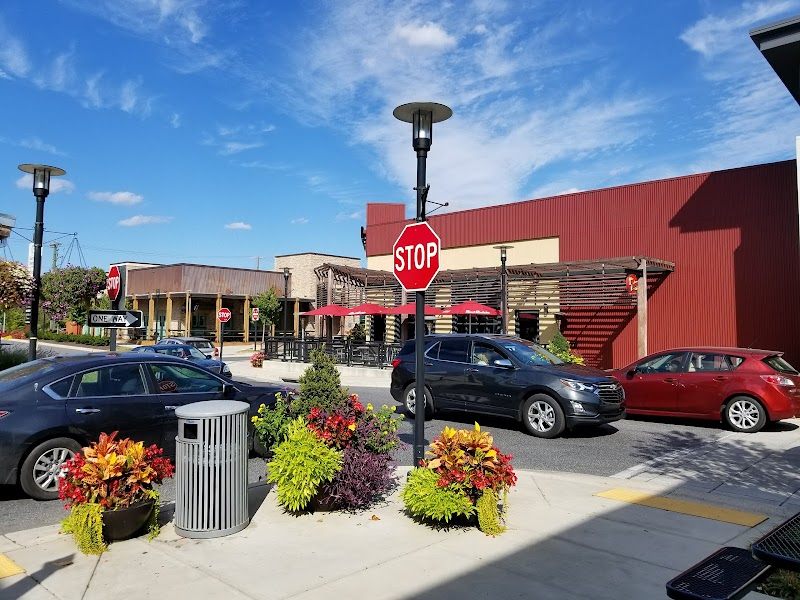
(177, 385)
(115, 398)
(487, 388)
(705, 384)
(654, 383)
(444, 372)
(527, 322)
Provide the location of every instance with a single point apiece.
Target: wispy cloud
(57, 184)
(351, 216)
(14, 60)
(238, 225)
(119, 198)
(175, 120)
(33, 143)
(229, 148)
(138, 220)
(299, 221)
(430, 36)
(233, 139)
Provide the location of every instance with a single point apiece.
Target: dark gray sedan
(189, 353)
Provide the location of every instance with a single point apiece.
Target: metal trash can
(211, 469)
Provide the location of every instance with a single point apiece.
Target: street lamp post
(41, 188)
(285, 299)
(503, 288)
(422, 116)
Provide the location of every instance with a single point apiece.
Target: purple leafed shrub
(364, 479)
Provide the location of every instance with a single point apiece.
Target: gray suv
(202, 344)
(507, 376)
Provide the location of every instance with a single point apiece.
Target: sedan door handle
(670, 380)
(720, 378)
(168, 407)
(87, 411)
(473, 370)
(428, 364)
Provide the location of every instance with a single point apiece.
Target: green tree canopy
(67, 293)
(269, 306)
(16, 285)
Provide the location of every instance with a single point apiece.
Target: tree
(269, 307)
(67, 293)
(16, 285)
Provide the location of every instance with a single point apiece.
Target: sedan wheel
(410, 401)
(41, 471)
(543, 416)
(745, 414)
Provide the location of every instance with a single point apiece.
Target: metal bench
(728, 574)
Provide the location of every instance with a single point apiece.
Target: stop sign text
(416, 257)
(224, 315)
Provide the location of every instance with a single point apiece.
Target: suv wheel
(410, 400)
(745, 414)
(543, 416)
(40, 473)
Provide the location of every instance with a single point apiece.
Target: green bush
(320, 386)
(426, 500)
(272, 422)
(300, 465)
(782, 584)
(560, 347)
(87, 340)
(11, 356)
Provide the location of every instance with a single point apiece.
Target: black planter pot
(123, 523)
(316, 504)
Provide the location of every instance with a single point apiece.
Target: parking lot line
(685, 507)
(8, 567)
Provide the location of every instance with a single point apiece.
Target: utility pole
(54, 246)
(258, 262)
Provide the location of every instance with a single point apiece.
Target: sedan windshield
(195, 353)
(12, 376)
(529, 353)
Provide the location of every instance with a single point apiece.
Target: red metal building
(732, 235)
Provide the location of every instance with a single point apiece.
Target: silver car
(202, 344)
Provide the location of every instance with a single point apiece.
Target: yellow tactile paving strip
(685, 507)
(8, 567)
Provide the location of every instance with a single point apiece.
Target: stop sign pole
(422, 116)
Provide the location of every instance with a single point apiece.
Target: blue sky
(215, 131)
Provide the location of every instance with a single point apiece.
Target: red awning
(471, 308)
(331, 310)
(367, 309)
(411, 309)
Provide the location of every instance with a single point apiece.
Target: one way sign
(115, 318)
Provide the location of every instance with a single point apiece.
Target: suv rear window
(780, 365)
(454, 350)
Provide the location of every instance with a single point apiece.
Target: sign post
(254, 317)
(224, 315)
(416, 263)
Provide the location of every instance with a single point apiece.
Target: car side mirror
(504, 362)
(631, 373)
(228, 391)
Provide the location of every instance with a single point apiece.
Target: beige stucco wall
(303, 280)
(543, 250)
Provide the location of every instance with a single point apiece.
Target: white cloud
(299, 221)
(428, 35)
(238, 225)
(34, 143)
(14, 59)
(57, 184)
(119, 198)
(236, 147)
(175, 120)
(138, 220)
(343, 216)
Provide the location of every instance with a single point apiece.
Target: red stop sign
(224, 315)
(113, 283)
(416, 256)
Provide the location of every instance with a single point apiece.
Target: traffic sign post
(224, 315)
(113, 286)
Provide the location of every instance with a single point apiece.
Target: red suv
(745, 387)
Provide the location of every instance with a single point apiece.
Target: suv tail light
(216, 351)
(777, 380)
(3, 413)
(395, 362)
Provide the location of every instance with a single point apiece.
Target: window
(663, 363)
(454, 350)
(702, 361)
(198, 321)
(780, 365)
(117, 380)
(59, 389)
(184, 379)
(484, 354)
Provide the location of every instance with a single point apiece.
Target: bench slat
(728, 574)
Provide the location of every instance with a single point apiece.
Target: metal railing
(344, 352)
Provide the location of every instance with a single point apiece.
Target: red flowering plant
(465, 474)
(110, 474)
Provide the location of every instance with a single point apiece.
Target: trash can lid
(211, 408)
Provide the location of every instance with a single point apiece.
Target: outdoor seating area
(345, 352)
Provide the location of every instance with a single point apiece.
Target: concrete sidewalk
(563, 542)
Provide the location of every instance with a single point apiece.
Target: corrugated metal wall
(204, 279)
(733, 236)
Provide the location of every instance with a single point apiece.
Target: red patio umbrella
(471, 308)
(411, 309)
(367, 309)
(331, 310)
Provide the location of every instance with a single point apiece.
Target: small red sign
(113, 283)
(224, 315)
(632, 283)
(255, 314)
(416, 256)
